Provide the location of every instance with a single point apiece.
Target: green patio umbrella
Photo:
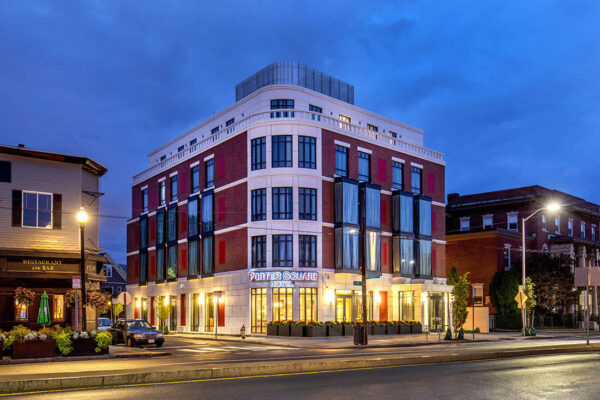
(44, 314)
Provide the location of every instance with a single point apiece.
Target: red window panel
(135, 308)
(384, 253)
(221, 209)
(383, 210)
(151, 310)
(431, 183)
(153, 265)
(221, 252)
(183, 258)
(136, 267)
(382, 170)
(152, 229)
(383, 306)
(221, 321)
(182, 302)
(137, 202)
(221, 167)
(432, 220)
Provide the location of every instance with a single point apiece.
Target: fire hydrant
(243, 332)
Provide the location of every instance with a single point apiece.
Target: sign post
(76, 284)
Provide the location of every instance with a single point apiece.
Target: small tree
(163, 314)
(530, 303)
(460, 292)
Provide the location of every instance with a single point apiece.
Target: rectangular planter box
(316, 331)
(416, 328)
(334, 330)
(272, 330)
(34, 349)
(404, 329)
(348, 330)
(298, 331)
(393, 329)
(85, 347)
(284, 330)
(378, 330)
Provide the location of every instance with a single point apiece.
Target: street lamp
(551, 207)
(82, 218)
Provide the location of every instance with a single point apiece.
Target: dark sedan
(139, 332)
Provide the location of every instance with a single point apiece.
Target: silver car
(104, 324)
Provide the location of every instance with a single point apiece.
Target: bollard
(243, 332)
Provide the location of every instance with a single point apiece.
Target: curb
(261, 369)
(83, 358)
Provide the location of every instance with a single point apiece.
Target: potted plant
(30, 344)
(377, 327)
(404, 327)
(273, 328)
(348, 328)
(333, 328)
(284, 328)
(316, 329)
(298, 329)
(393, 327)
(416, 327)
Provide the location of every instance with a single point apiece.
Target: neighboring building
(484, 231)
(116, 276)
(40, 195)
(260, 205)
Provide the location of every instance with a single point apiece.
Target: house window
(307, 204)
(307, 153)
(397, 175)
(393, 134)
(488, 221)
(282, 250)
(258, 300)
(507, 257)
(5, 171)
(315, 109)
(346, 202)
(281, 151)
(282, 104)
(477, 294)
(180, 148)
(341, 160)
(214, 130)
(210, 173)
(570, 227)
(346, 218)
(282, 203)
(208, 265)
(174, 188)
(108, 270)
(282, 304)
(583, 230)
(465, 224)
(230, 122)
(308, 251)
(162, 192)
(193, 252)
(21, 311)
(308, 304)
(145, 200)
(259, 204)
(364, 166)
(193, 216)
(207, 212)
(259, 251)
(345, 119)
(416, 180)
(544, 223)
(372, 128)
(195, 179)
(37, 210)
(512, 219)
(58, 307)
(557, 226)
(259, 153)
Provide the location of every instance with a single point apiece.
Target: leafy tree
(503, 289)
(530, 303)
(460, 293)
(163, 313)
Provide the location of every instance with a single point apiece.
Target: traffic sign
(357, 283)
(374, 276)
(76, 282)
(520, 298)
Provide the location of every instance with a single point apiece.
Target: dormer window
(465, 224)
(512, 221)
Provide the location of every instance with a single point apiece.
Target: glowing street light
(82, 218)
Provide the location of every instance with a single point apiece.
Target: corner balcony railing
(324, 121)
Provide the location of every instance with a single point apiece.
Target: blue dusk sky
(508, 90)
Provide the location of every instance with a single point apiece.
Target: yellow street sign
(520, 298)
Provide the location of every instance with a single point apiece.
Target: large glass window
(283, 304)
(210, 172)
(160, 227)
(315, 109)
(373, 250)
(372, 207)
(308, 304)
(346, 248)
(174, 188)
(364, 166)
(259, 251)
(37, 210)
(403, 255)
(258, 301)
(425, 217)
(308, 251)
(58, 307)
(173, 314)
(208, 266)
(341, 160)
(143, 267)
(402, 212)
(307, 152)
(144, 232)
(193, 251)
(259, 204)
(195, 311)
(346, 202)
(160, 264)
(417, 180)
(162, 193)
(193, 216)
(259, 153)
(407, 302)
(282, 104)
(282, 203)
(307, 203)
(281, 151)
(207, 212)
(145, 200)
(425, 257)
(172, 223)
(282, 251)
(195, 179)
(397, 175)
(172, 262)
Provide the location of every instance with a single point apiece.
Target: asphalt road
(548, 377)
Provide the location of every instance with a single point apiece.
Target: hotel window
(207, 212)
(259, 251)
(58, 307)
(403, 252)
(544, 223)
(210, 172)
(193, 252)
(214, 130)
(195, 312)
(172, 262)
(425, 257)
(230, 122)
(372, 128)
(281, 147)
(512, 221)
(423, 205)
(208, 264)
(163, 157)
(416, 180)
(371, 199)
(172, 223)
(21, 311)
(172, 240)
(258, 301)
(570, 227)
(145, 200)
(162, 192)
(345, 118)
(407, 302)
(174, 188)
(144, 232)
(346, 201)
(341, 160)
(465, 224)
(373, 250)
(364, 166)
(393, 134)
(143, 267)
(488, 221)
(282, 251)
(307, 152)
(193, 142)
(507, 257)
(557, 226)
(402, 213)
(594, 233)
(346, 248)
(259, 204)
(308, 304)
(160, 249)
(308, 251)
(282, 203)
(283, 305)
(282, 104)
(195, 179)
(37, 210)
(397, 175)
(180, 148)
(583, 230)
(307, 204)
(315, 109)
(259, 153)
(193, 216)
(346, 220)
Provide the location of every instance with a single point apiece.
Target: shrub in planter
(393, 327)
(32, 345)
(348, 329)
(404, 327)
(333, 328)
(416, 327)
(273, 328)
(316, 329)
(285, 328)
(377, 327)
(298, 329)
(103, 341)
(64, 343)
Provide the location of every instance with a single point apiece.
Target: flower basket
(404, 329)
(334, 330)
(416, 328)
(316, 331)
(348, 330)
(272, 330)
(298, 330)
(34, 349)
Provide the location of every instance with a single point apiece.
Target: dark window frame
(288, 194)
(259, 251)
(307, 197)
(288, 241)
(307, 244)
(258, 213)
(341, 150)
(307, 146)
(209, 173)
(366, 160)
(258, 149)
(277, 142)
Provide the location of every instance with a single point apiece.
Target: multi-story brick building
(484, 233)
(260, 204)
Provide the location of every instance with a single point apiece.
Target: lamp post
(552, 207)
(82, 218)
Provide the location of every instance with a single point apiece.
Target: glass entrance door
(437, 317)
(210, 312)
(343, 308)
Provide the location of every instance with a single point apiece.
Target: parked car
(139, 332)
(104, 324)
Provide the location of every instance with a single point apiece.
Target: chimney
(21, 146)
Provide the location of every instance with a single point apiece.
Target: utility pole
(362, 237)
